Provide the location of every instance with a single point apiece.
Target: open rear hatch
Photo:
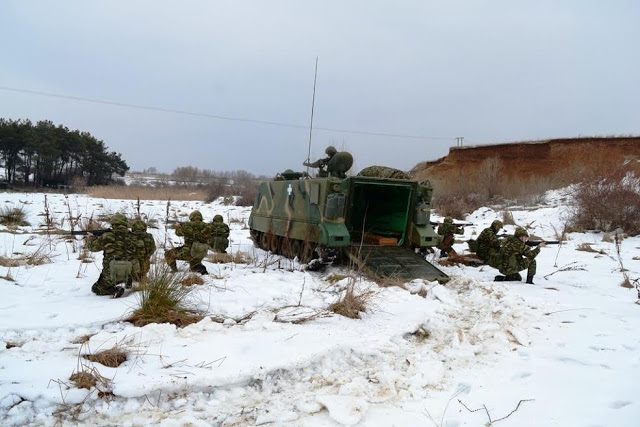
(395, 263)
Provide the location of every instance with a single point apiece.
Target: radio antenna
(313, 103)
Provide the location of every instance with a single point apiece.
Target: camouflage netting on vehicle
(383, 172)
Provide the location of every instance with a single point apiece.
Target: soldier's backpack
(120, 271)
(199, 250)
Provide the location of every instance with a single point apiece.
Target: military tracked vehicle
(380, 223)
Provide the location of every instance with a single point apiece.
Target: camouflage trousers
(182, 253)
(105, 284)
(446, 246)
(220, 244)
(516, 263)
(145, 266)
(492, 259)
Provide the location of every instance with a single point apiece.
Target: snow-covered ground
(564, 352)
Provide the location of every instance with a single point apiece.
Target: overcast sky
(489, 71)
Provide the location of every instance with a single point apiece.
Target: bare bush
(148, 193)
(489, 176)
(458, 205)
(608, 204)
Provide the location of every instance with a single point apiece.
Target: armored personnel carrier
(380, 223)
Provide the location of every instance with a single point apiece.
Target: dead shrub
(489, 174)
(192, 279)
(12, 216)
(507, 218)
(163, 299)
(148, 193)
(458, 205)
(608, 204)
(111, 358)
(586, 247)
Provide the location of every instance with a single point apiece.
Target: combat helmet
(521, 232)
(195, 216)
(138, 225)
(330, 151)
(119, 221)
(218, 218)
(497, 225)
(448, 220)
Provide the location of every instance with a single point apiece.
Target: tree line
(48, 155)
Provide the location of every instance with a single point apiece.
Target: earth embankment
(558, 159)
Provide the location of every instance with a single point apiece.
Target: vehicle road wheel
(264, 241)
(274, 244)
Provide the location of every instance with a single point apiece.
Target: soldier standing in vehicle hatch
(321, 164)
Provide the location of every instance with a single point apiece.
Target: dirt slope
(538, 159)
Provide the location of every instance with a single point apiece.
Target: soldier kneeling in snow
(516, 256)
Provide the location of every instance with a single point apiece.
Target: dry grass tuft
(111, 358)
(334, 278)
(586, 247)
(147, 193)
(192, 279)
(84, 379)
(238, 257)
(626, 283)
(163, 299)
(12, 216)
(82, 339)
(10, 262)
(386, 282)
(352, 303)
(607, 238)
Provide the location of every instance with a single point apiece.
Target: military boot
(530, 280)
(200, 269)
(513, 278)
(499, 279)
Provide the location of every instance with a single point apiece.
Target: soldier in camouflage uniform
(117, 245)
(321, 164)
(447, 229)
(516, 256)
(196, 233)
(148, 248)
(220, 235)
(489, 244)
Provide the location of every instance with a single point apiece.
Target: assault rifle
(532, 243)
(96, 233)
(461, 224)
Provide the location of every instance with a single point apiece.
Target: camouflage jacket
(487, 241)
(148, 246)
(220, 229)
(446, 229)
(513, 246)
(194, 231)
(116, 245)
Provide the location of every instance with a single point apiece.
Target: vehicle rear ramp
(394, 262)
